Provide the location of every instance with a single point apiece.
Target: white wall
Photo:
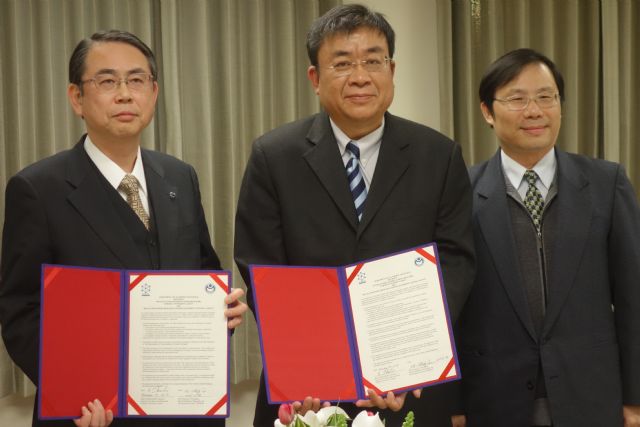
(416, 79)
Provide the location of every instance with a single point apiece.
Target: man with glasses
(355, 182)
(104, 203)
(550, 334)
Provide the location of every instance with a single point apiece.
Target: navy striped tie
(356, 179)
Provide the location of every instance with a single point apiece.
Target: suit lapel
(165, 210)
(92, 203)
(324, 159)
(392, 164)
(492, 212)
(575, 210)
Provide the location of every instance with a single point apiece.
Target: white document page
(177, 345)
(400, 322)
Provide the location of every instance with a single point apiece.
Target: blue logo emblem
(419, 262)
(210, 288)
(362, 278)
(146, 289)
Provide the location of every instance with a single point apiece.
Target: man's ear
(488, 115)
(75, 99)
(314, 78)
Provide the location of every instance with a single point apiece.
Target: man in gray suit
(355, 182)
(78, 207)
(550, 334)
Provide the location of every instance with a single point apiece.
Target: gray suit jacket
(58, 211)
(590, 353)
(295, 207)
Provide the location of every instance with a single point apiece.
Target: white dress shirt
(369, 146)
(545, 168)
(114, 173)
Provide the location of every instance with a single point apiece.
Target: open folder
(334, 333)
(146, 343)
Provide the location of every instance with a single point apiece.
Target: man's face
(527, 135)
(357, 101)
(121, 114)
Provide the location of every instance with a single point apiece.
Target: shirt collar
(545, 168)
(110, 170)
(366, 144)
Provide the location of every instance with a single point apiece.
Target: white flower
(365, 420)
(321, 418)
(311, 419)
(325, 413)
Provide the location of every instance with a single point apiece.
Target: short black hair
(346, 19)
(77, 63)
(508, 67)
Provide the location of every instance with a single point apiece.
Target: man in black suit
(296, 204)
(550, 334)
(72, 209)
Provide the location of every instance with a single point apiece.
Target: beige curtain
(621, 89)
(229, 70)
(596, 44)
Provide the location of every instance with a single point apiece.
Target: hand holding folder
(94, 414)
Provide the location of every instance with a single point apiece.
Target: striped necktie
(533, 200)
(356, 179)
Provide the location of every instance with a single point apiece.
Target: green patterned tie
(533, 200)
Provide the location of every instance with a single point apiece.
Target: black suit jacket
(295, 207)
(58, 211)
(590, 341)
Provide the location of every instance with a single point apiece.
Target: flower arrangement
(331, 416)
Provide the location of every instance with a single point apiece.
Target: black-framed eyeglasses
(370, 65)
(519, 102)
(136, 82)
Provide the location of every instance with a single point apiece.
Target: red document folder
(80, 339)
(303, 330)
(314, 343)
(84, 340)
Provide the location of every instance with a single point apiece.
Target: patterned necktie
(356, 179)
(533, 200)
(129, 185)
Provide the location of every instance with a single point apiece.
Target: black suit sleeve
(454, 235)
(25, 247)
(624, 270)
(208, 257)
(258, 234)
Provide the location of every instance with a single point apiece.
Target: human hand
(94, 415)
(308, 404)
(235, 308)
(391, 401)
(458, 420)
(631, 415)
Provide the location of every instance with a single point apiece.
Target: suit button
(529, 385)
(152, 243)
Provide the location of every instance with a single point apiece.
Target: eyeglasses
(519, 103)
(136, 82)
(370, 65)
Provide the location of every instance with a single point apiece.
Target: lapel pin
(172, 195)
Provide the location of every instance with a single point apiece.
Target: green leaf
(299, 423)
(408, 421)
(337, 420)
